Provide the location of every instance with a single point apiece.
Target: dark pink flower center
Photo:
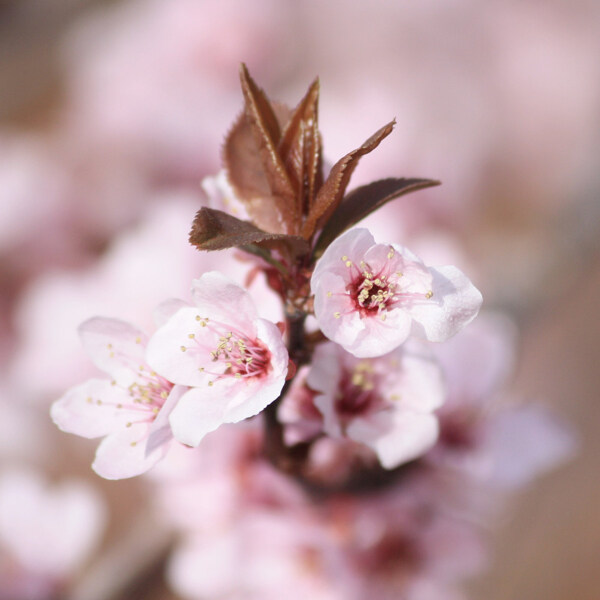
(357, 393)
(233, 353)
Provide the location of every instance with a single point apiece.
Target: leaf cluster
(273, 160)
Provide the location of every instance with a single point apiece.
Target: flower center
(357, 392)
(151, 390)
(234, 354)
(374, 293)
(241, 356)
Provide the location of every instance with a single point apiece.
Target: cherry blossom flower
(46, 533)
(489, 438)
(384, 403)
(403, 542)
(131, 410)
(235, 361)
(370, 297)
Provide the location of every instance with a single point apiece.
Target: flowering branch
(359, 383)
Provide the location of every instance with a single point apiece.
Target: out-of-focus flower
(272, 554)
(247, 530)
(384, 403)
(370, 297)
(162, 93)
(387, 543)
(131, 410)
(46, 533)
(401, 543)
(235, 362)
(493, 441)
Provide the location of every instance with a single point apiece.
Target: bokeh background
(111, 113)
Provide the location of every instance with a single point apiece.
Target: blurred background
(112, 112)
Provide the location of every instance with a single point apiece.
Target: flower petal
(123, 454)
(92, 409)
(455, 303)
(417, 378)
(177, 356)
(160, 431)
(352, 245)
(223, 300)
(115, 347)
(198, 412)
(165, 310)
(380, 336)
(396, 437)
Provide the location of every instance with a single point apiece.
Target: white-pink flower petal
(454, 303)
(92, 409)
(115, 347)
(199, 411)
(123, 454)
(396, 437)
(226, 301)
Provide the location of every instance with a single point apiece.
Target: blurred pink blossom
(46, 533)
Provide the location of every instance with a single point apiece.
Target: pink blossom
(404, 542)
(131, 410)
(235, 361)
(370, 297)
(265, 555)
(247, 530)
(164, 90)
(488, 438)
(384, 403)
(46, 533)
(523, 442)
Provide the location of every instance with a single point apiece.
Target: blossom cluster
(323, 426)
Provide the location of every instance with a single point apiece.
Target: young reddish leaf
(332, 191)
(216, 230)
(265, 128)
(258, 108)
(300, 149)
(246, 175)
(314, 166)
(362, 201)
